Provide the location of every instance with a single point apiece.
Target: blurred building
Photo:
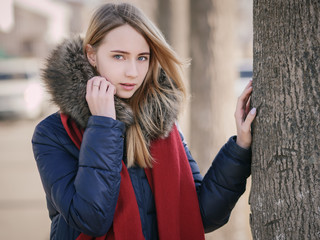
(28, 28)
(31, 28)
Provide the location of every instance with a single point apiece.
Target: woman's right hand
(100, 97)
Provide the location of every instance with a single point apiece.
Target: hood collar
(66, 73)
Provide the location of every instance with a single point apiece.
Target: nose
(131, 69)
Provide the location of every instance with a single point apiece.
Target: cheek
(144, 70)
(109, 72)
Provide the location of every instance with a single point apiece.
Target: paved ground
(23, 213)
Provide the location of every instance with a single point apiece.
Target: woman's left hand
(244, 117)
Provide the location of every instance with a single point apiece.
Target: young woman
(112, 162)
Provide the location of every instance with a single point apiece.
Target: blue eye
(119, 57)
(142, 58)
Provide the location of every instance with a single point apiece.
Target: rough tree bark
(285, 193)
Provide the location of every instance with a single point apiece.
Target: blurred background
(215, 34)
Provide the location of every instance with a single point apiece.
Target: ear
(91, 55)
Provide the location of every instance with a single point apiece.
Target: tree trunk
(172, 16)
(212, 94)
(212, 78)
(165, 16)
(285, 192)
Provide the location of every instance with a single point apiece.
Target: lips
(128, 86)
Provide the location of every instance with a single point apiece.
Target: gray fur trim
(66, 73)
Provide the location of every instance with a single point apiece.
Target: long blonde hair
(110, 16)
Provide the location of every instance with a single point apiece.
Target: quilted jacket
(82, 186)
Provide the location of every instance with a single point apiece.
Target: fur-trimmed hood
(66, 73)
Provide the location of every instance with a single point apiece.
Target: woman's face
(123, 59)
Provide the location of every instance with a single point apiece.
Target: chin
(124, 96)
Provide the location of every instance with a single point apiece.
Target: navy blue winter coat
(82, 187)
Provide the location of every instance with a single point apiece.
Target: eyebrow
(124, 52)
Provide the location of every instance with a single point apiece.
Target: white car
(21, 92)
(245, 74)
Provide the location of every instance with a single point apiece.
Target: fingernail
(253, 111)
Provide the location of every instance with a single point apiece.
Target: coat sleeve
(82, 186)
(222, 185)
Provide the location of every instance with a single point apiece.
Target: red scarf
(171, 181)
